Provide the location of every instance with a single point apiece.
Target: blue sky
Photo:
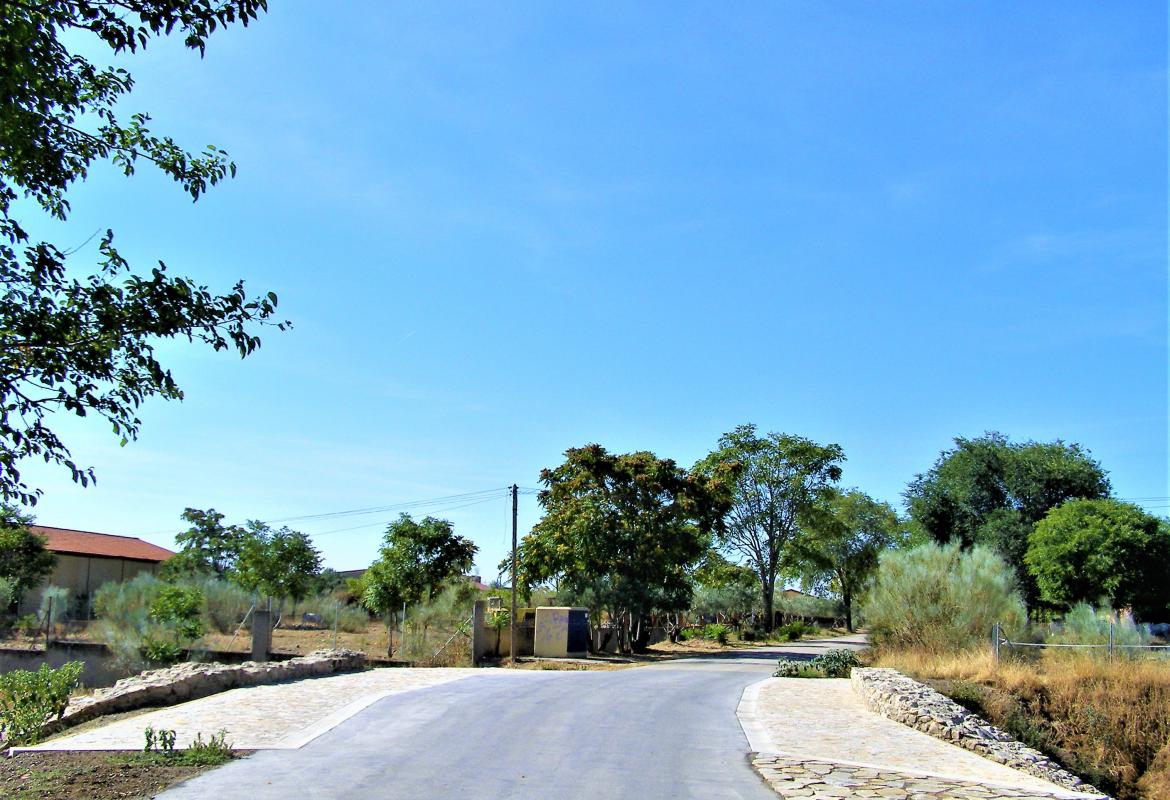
(507, 230)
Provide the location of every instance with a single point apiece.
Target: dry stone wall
(188, 681)
(893, 695)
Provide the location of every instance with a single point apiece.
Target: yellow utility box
(561, 632)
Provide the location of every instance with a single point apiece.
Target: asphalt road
(663, 731)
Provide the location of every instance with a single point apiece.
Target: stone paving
(278, 716)
(814, 738)
(812, 779)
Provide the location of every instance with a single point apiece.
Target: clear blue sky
(506, 230)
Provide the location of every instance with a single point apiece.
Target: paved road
(669, 730)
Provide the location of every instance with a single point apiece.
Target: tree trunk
(847, 599)
(769, 591)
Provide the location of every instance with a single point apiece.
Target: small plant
(161, 651)
(29, 625)
(162, 740)
(686, 634)
(717, 632)
(214, 751)
(787, 668)
(836, 663)
(28, 700)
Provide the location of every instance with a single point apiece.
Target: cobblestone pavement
(812, 779)
(816, 739)
(277, 716)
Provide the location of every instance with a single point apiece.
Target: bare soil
(91, 775)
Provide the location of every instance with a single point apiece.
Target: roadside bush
(1085, 625)
(686, 634)
(941, 598)
(836, 663)
(794, 630)
(30, 699)
(787, 668)
(717, 632)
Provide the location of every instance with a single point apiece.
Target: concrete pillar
(479, 643)
(261, 634)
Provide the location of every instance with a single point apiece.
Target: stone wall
(893, 695)
(189, 681)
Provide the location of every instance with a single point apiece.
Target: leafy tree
(839, 547)
(992, 491)
(24, 561)
(625, 528)
(278, 563)
(416, 559)
(207, 547)
(1092, 550)
(85, 344)
(780, 478)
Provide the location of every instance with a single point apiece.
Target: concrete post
(261, 634)
(479, 645)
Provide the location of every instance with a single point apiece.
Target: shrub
(30, 699)
(54, 603)
(225, 604)
(686, 634)
(1088, 626)
(124, 622)
(836, 663)
(793, 630)
(786, 668)
(29, 625)
(717, 632)
(942, 598)
(180, 609)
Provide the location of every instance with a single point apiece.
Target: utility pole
(512, 648)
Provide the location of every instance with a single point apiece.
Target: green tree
(24, 561)
(1093, 550)
(625, 529)
(780, 478)
(278, 563)
(992, 491)
(208, 547)
(416, 559)
(85, 343)
(840, 543)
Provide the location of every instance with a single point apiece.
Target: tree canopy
(992, 491)
(779, 477)
(24, 561)
(278, 563)
(1094, 550)
(625, 530)
(207, 547)
(416, 559)
(85, 343)
(841, 541)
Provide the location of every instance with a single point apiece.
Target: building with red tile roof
(87, 560)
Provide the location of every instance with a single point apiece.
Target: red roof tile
(84, 543)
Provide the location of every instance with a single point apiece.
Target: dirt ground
(91, 775)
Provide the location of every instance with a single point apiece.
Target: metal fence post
(995, 641)
(1110, 640)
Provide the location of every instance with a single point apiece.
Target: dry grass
(1107, 720)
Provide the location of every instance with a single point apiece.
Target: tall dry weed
(1109, 721)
